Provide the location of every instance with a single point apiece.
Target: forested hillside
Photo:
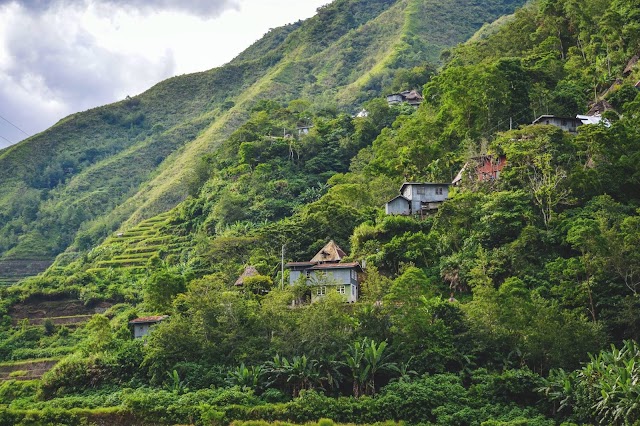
(516, 302)
(70, 186)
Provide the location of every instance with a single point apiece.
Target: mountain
(70, 186)
(513, 301)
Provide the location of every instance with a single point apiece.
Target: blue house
(325, 273)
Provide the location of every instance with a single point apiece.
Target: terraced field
(132, 250)
(26, 370)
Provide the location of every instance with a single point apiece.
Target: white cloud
(205, 8)
(63, 56)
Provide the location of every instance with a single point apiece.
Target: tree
(161, 287)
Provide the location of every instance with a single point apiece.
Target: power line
(2, 137)
(14, 126)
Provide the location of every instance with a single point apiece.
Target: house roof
(422, 184)
(543, 117)
(399, 196)
(638, 84)
(329, 253)
(589, 119)
(298, 264)
(149, 320)
(631, 64)
(598, 108)
(458, 177)
(412, 95)
(329, 266)
(249, 271)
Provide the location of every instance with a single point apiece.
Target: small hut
(249, 271)
(142, 326)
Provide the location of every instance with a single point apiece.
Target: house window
(342, 289)
(353, 290)
(354, 275)
(321, 291)
(438, 191)
(421, 190)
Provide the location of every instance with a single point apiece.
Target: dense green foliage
(498, 309)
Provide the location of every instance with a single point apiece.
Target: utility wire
(2, 137)
(14, 126)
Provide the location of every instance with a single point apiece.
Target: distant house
(567, 124)
(411, 97)
(325, 273)
(484, 167)
(304, 130)
(417, 198)
(142, 326)
(631, 65)
(638, 85)
(249, 271)
(362, 114)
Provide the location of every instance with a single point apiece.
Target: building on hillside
(638, 85)
(418, 198)
(142, 326)
(249, 271)
(410, 97)
(482, 168)
(304, 129)
(325, 272)
(631, 65)
(567, 124)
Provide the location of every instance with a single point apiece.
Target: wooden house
(411, 97)
(142, 326)
(325, 272)
(417, 198)
(568, 124)
(482, 168)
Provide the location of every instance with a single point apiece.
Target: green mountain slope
(82, 179)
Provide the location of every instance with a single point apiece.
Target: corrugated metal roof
(325, 266)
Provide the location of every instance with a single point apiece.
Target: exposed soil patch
(27, 370)
(67, 311)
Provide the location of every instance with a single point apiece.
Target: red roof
(149, 320)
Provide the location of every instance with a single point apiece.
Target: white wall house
(325, 273)
(142, 326)
(418, 198)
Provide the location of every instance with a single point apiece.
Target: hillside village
(462, 250)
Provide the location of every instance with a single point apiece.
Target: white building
(142, 326)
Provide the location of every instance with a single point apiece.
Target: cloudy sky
(62, 56)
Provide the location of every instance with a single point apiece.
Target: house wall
(490, 169)
(141, 330)
(395, 99)
(338, 277)
(350, 292)
(566, 124)
(419, 194)
(293, 276)
(398, 206)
